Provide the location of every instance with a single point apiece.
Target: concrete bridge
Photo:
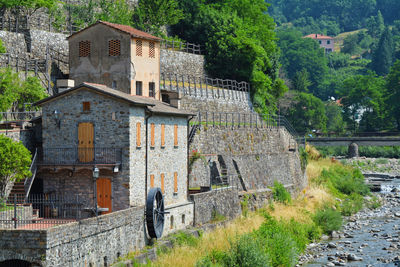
(361, 141)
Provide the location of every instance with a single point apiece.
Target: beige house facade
(118, 56)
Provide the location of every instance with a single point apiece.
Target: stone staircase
(17, 190)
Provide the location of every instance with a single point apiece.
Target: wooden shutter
(162, 135)
(152, 180)
(152, 135)
(162, 183)
(175, 182)
(138, 134)
(176, 135)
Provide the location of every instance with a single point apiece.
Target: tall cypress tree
(382, 57)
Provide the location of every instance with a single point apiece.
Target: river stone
(353, 257)
(331, 245)
(353, 151)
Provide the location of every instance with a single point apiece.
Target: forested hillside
(354, 89)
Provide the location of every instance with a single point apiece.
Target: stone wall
(90, 242)
(26, 136)
(182, 63)
(256, 156)
(24, 215)
(223, 202)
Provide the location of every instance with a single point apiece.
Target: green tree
(307, 113)
(15, 161)
(301, 81)
(375, 25)
(239, 41)
(382, 57)
(153, 15)
(14, 92)
(26, 7)
(351, 45)
(362, 97)
(335, 123)
(393, 93)
(300, 53)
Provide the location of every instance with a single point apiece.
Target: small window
(175, 182)
(162, 135)
(114, 48)
(84, 48)
(139, 48)
(138, 126)
(152, 180)
(328, 42)
(152, 50)
(183, 218)
(139, 90)
(162, 183)
(152, 141)
(114, 85)
(176, 135)
(320, 42)
(86, 106)
(152, 87)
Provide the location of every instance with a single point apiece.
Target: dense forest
(355, 88)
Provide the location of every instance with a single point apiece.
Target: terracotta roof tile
(124, 28)
(318, 36)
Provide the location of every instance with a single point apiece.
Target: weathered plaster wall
(99, 67)
(223, 202)
(182, 63)
(261, 156)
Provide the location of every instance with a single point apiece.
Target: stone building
(135, 142)
(117, 56)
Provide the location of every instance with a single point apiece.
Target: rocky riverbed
(369, 238)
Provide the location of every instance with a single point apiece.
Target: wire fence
(43, 211)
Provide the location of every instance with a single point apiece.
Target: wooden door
(104, 194)
(85, 139)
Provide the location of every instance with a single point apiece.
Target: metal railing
(29, 181)
(44, 211)
(79, 156)
(225, 182)
(181, 46)
(204, 86)
(19, 116)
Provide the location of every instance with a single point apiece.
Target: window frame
(139, 89)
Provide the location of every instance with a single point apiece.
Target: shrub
(381, 161)
(352, 204)
(373, 203)
(343, 180)
(328, 219)
(278, 242)
(280, 193)
(183, 238)
(303, 158)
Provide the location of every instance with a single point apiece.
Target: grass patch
(381, 161)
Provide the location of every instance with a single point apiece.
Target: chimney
(64, 84)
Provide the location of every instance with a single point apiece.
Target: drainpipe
(187, 157)
(148, 114)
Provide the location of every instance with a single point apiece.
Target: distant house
(326, 42)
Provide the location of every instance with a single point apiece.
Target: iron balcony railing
(79, 156)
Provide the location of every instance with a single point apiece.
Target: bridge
(361, 141)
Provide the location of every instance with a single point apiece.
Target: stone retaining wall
(181, 62)
(24, 215)
(209, 205)
(259, 156)
(27, 137)
(90, 242)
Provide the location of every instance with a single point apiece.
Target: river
(369, 238)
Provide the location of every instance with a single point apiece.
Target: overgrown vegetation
(280, 194)
(15, 161)
(328, 219)
(365, 151)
